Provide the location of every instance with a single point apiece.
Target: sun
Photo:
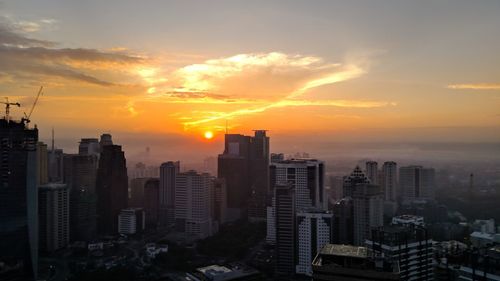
(208, 135)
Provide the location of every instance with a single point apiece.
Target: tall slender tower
(168, 174)
(372, 171)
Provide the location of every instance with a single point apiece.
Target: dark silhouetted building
(417, 183)
(111, 188)
(18, 201)
(220, 200)
(357, 177)
(151, 202)
(137, 192)
(368, 211)
(53, 214)
(80, 172)
(285, 230)
(168, 173)
(244, 165)
(343, 220)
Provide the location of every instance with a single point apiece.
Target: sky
(163, 73)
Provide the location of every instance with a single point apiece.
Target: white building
(313, 232)
(408, 220)
(307, 178)
(194, 196)
(131, 221)
(417, 183)
(487, 226)
(152, 250)
(53, 212)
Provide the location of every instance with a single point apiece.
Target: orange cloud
(477, 86)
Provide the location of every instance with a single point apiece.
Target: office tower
(314, 229)
(111, 188)
(244, 165)
(168, 173)
(357, 177)
(55, 168)
(417, 183)
(42, 164)
(410, 246)
(131, 221)
(18, 201)
(136, 198)
(193, 204)
(285, 230)
(372, 171)
(220, 201)
(389, 184)
(336, 188)
(343, 222)
(368, 211)
(271, 223)
(351, 263)
(306, 177)
(152, 202)
(105, 140)
(53, 214)
(89, 146)
(80, 172)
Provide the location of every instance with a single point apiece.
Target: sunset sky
(168, 71)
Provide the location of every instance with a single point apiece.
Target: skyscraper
(137, 192)
(55, 167)
(357, 177)
(111, 188)
(168, 173)
(53, 213)
(368, 211)
(42, 164)
(244, 165)
(314, 229)
(307, 178)
(89, 146)
(152, 202)
(417, 183)
(220, 200)
(193, 204)
(18, 201)
(285, 230)
(80, 172)
(343, 222)
(372, 171)
(389, 184)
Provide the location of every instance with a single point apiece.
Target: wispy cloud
(476, 86)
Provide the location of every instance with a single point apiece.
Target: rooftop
(344, 250)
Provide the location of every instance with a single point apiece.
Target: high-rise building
(168, 173)
(244, 165)
(131, 221)
(277, 157)
(53, 214)
(136, 198)
(105, 140)
(368, 211)
(42, 164)
(314, 229)
(56, 167)
(18, 201)
(357, 177)
(111, 188)
(285, 230)
(410, 246)
(372, 171)
(307, 178)
(389, 184)
(351, 263)
(80, 172)
(220, 201)
(343, 222)
(193, 204)
(152, 202)
(417, 183)
(89, 146)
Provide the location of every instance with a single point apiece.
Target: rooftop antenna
(52, 140)
(226, 127)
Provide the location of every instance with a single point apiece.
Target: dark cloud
(22, 57)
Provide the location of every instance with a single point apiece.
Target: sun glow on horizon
(208, 135)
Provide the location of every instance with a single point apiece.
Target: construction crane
(7, 107)
(28, 116)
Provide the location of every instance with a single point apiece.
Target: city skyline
(171, 72)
